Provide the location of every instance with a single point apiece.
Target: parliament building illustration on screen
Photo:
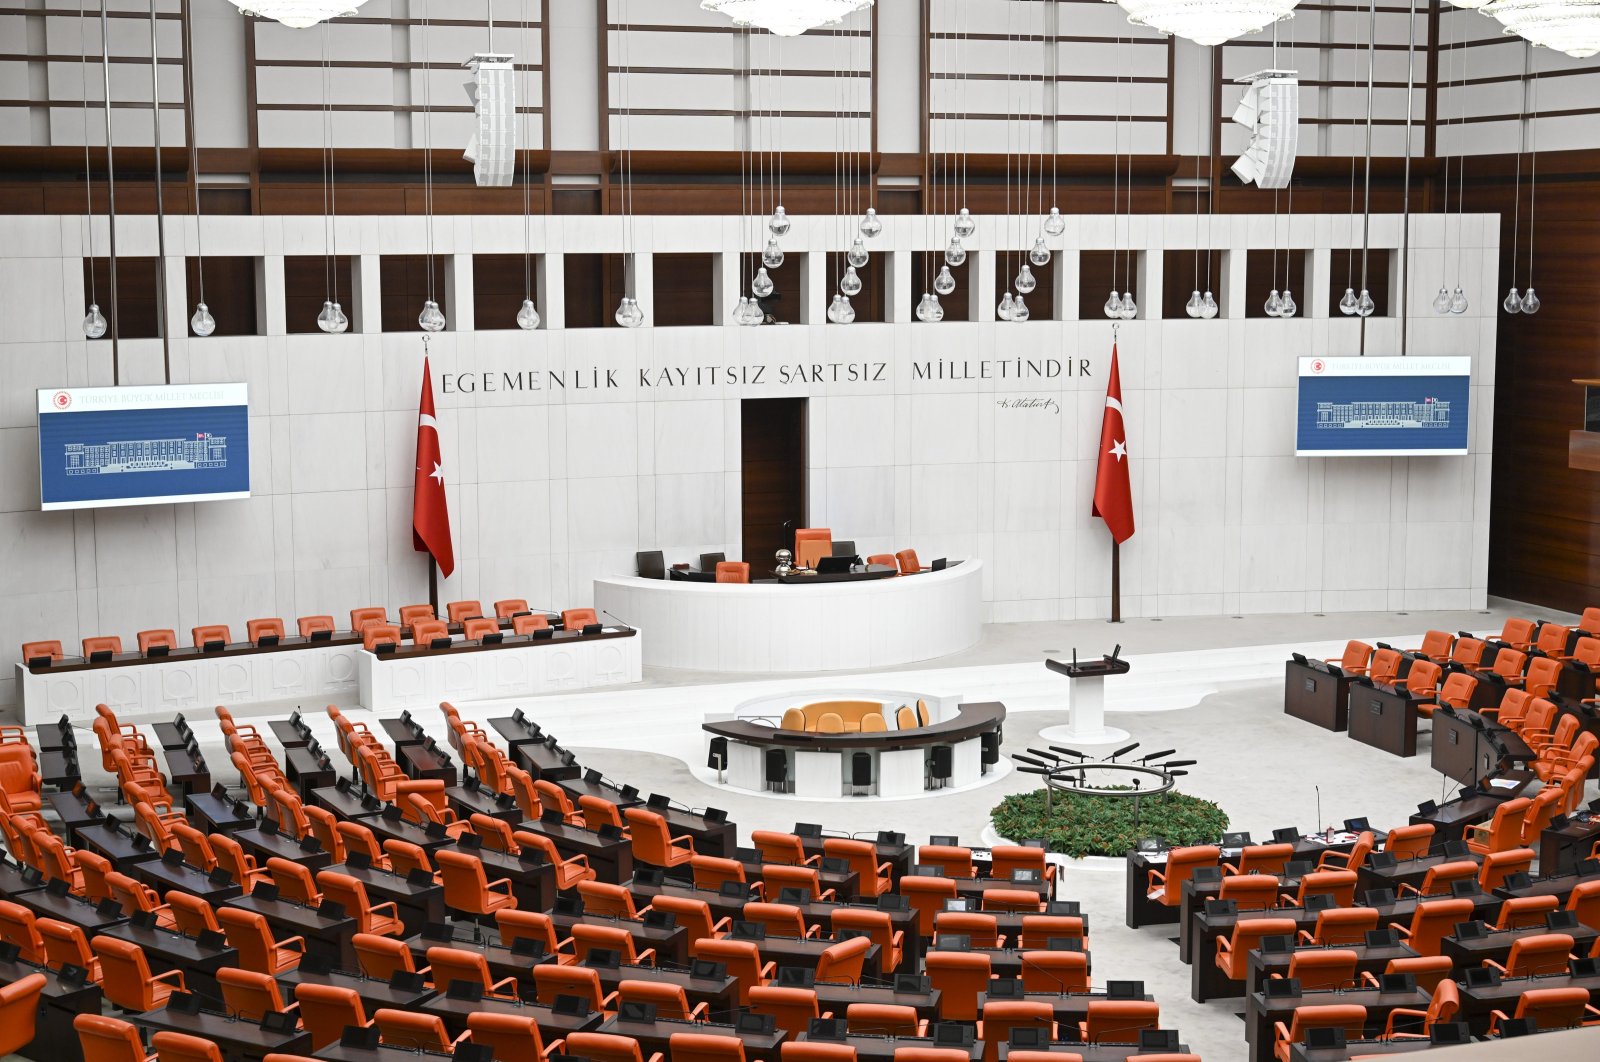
(1429, 413)
(147, 455)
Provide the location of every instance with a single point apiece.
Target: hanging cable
(111, 196)
(94, 323)
(161, 213)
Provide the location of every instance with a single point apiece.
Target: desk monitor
(808, 829)
(1383, 406)
(837, 565)
(843, 547)
(940, 564)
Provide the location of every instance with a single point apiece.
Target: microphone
(1123, 750)
(624, 622)
(1069, 752)
(1318, 788)
(1157, 755)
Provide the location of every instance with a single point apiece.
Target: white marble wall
(1229, 521)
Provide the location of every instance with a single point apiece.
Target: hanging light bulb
(94, 322)
(628, 314)
(1289, 307)
(1055, 224)
(841, 312)
(1365, 307)
(944, 283)
(779, 223)
(1019, 310)
(1129, 309)
(1040, 255)
(740, 310)
(1274, 304)
(1441, 301)
(1458, 301)
(964, 225)
(753, 314)
(1004, 310)
(955, 254)
(761, 284)
(929, 309)
(871, 227)
(325, 317)
(431, 319)
(772, 257)
(1025, 280)
(202, 322)
(850, 283)
(1347, 305)
(1193, 306)
(857, 255)
(528, 316)
(1530, 301)
(1113, 306)
(1513, 303)
(1208, 307)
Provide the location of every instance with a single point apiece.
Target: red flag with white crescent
(430, 514)
(1113, 495)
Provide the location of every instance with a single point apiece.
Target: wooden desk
(1496, 945)
(426, 764)
(1384, 718)
(1261, 1013)
(162, 877)
(582, 787)
(1560, 886)
(1465, 753)
(611, 860)
(307, 769)
(1368, 960)
(59, 767)
(1356, 1048)
(264, 846)
(12, 881)
(671, 945)
(1405, 872)
(656, 1035)
(72, 809)
(1003, 962)
(343, 804)
(385, 828)
(837, 997)
(213, 814)
(1138, 909)
(469, 800)
(1451, 819)
(531, 751)
(375, 995)
(54, 1038)
(123, 849)
(1560, 851)
(882, 1048)
(803, 953)
(1317, 693)
(166, 950)
(710, 838)
(418, 904)
(239, 1041)
(187, 772)
(1477, 1003)
(329, 938)
(69, 909)
(1088, 1052)
(1070, 1007)
(454, 1014)
(533, 884)
(288, 734)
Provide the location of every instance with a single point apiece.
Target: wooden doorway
(773, 488)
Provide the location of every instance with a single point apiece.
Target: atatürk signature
(1046, 404)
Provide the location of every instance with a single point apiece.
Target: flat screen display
(1383, 407)
(105, 446)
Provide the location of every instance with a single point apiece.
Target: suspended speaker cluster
(493, 92)
(1270, 109)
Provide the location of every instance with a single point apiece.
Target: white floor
(1209, 688)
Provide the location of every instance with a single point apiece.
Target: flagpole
(1116, 581)
(433, 584)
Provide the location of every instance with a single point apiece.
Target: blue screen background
(56, 430)
(1453, 389)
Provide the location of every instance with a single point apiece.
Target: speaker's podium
(1088, 700)
(1467, 747)
(1317, 692)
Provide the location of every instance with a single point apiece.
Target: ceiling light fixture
(786, 18)
(298, 14)
(1208, 22)
(1569, 26)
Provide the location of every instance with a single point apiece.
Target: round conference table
(796, 627)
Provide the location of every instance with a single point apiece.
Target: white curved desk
(773, 627)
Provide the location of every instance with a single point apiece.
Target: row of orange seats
(419, 621)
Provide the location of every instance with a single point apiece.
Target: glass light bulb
(528, 316)
(628, 314)
(1365, 307)
(325, 317)
(870, 225)
(431, 319)
(1458, 301)
(1040, 255)
(1441, 301)
(1113, 306)
(1019, 309)
(1208, 307)
(964, 226)
(1055, 224)
(779, 223)
(1347, 305)
(850, 283)
(955, 254)
(761, 284)
(841, 312)
(772, 257)
(202, 322)
(1192, 307)
(1289, 307)
(94, 322)
(1274, 304)
(1530, 301)
(1129, 309)
(1025, 280)
(857, 255)
(944, 283)
(753, 314)
(1003, 311)
(739, 310)
(1513, 303)
(929, 309)
(340, 321)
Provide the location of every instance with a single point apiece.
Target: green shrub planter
(1102, 825)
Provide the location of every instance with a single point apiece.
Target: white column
(458, 293)
(553, 290)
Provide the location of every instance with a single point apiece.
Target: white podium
(1087, 702)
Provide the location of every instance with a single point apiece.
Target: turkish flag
(430, 514)
(1113, 496)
